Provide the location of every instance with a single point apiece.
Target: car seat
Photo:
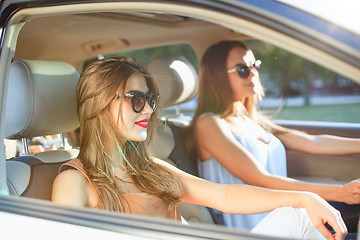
(178, 83)
(41, 100)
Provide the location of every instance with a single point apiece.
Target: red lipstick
(142, 123)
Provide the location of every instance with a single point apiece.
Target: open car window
(297, 89)
(75, 33)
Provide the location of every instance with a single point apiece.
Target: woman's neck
(237, 110)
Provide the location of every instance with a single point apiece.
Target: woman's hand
(320, 212)
(350, 192)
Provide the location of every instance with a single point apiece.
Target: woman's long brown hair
(215, 92)
(101, 146)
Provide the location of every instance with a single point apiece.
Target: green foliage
(326, 113)
(344, 113)
(288, 70)
(283, 74)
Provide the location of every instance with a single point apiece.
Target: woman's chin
(140, 136)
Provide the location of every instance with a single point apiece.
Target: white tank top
(271, 156)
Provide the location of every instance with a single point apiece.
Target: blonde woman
(117, 102)
(236, 145)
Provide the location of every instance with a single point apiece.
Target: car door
(22, 217)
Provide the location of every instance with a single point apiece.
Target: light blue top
(271, 156)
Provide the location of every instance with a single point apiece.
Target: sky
(345, 13)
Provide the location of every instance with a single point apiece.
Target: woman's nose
(254, 71)
(147, 109)
(251, 74)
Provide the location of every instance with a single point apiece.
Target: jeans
(349, 213)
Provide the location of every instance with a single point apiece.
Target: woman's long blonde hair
(101, 146)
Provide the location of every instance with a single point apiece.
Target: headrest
(41, 99)
(176, 77)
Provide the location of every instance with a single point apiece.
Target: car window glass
(297, 89)
(38, 144)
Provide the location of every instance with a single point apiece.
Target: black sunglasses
(139, 99)
(244, 70)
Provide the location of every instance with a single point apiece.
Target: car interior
(50, 50)
(31, 175)
(38, 112)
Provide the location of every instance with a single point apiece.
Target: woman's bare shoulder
(208, 119)
(70, 187)
(70, 175)
(209, 122)
(208, 115)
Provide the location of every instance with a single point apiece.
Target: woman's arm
(319, 144)
(216, 140)
(245, 199)
(327, 144)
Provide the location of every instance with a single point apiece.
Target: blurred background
(295, 89)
